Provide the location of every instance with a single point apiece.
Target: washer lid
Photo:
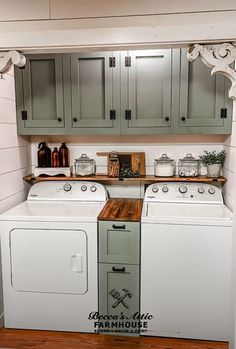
(54, 211)
(181, 213)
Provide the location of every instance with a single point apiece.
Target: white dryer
(186, 233)
(49, 257)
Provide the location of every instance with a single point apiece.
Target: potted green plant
(213, 161)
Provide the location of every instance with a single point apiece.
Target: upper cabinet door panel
(202, 95)
(43, 91)
(148, 81)
(92, 90)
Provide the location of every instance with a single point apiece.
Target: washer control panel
(183, 192)
(63, 190)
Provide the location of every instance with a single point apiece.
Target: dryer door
(49, 261)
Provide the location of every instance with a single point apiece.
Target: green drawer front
(119, 242)
(119, 294)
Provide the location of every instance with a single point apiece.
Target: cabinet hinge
(24, 114)
(112, 62)
(112, 114)
(223, 113)
(128, 61)
(128, 115)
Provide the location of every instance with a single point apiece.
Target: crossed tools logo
(120, 298)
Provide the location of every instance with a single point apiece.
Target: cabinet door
(95, 92)
(203, 98)
(119, 242)
(146, 91)
(43, 92)
(119, 293)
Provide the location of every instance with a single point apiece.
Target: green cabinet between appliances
(119, 242)
(119, 295)
(119, 273)
(128, 92)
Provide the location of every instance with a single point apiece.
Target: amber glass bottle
(64, 155)
(44, 155)
(55, 158)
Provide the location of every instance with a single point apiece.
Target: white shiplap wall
(15, 155)
(230, 166)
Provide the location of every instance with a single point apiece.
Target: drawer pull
(118, 270)
(118, 226)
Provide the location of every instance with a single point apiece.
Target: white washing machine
(186, 233)
(49, 257)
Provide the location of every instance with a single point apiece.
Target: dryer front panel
(49, 261)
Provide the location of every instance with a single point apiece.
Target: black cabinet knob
(75, 119)
(183, 118)
(59, 119)
(167, 118)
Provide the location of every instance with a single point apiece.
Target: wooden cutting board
(136, 160)
(128, 210)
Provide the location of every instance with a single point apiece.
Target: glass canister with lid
(113, 165)
(189, 166)
(84, 166)
(164, 166)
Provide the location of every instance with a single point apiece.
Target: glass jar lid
(84, 159)
(190, 158)
(114, 156)
(164, 159)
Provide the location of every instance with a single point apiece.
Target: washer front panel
(49, 261)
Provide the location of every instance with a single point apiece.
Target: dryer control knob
(93, 188)
(183, 189)
(201, 190)
(165, 189)
(84, 188)
(67, 187)
(155, 189)
(211, 190)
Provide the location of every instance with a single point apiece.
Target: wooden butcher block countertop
(128, 210)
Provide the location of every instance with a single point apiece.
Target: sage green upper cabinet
(39, 95)
(129, 92)
(204, 105)
(95, 97)
(146, 84)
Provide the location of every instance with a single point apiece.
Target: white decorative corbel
(7, 59)
(219, 57)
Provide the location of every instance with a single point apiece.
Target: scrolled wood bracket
(7, 59)
(221, 58)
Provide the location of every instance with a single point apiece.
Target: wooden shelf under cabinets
(128, 181)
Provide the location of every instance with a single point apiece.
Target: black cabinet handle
(118, 270)
(183, 118)
(114, 226)
(167, 118)
(112, 114)
(128, 114)
(75, 119)
(59, 119)
(223, 113)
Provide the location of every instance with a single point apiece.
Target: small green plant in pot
(213, 161)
